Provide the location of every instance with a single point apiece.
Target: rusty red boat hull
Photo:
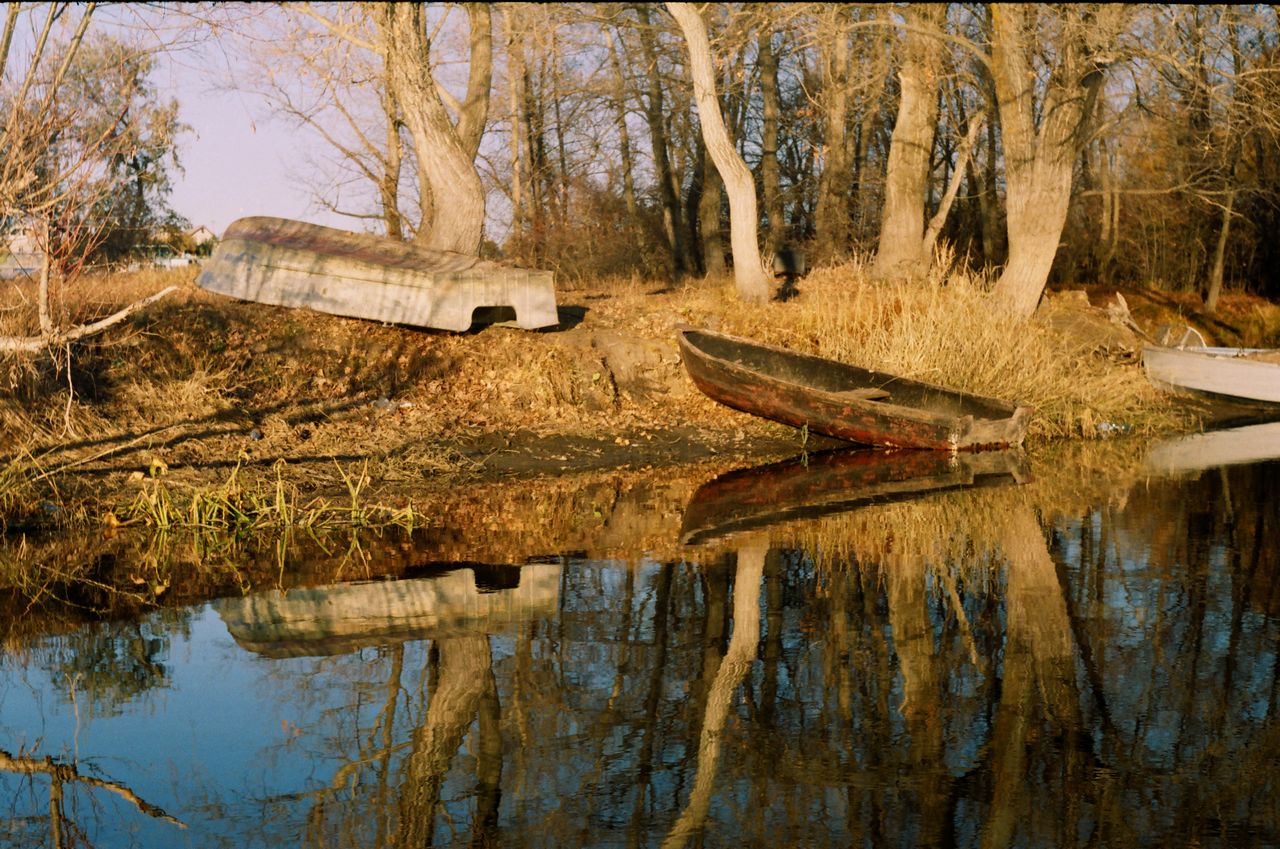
(811, 392)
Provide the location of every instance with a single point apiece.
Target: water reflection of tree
(730, 672)
(108, 664)
(955, 671)
(63, 781)
(462, 689)
(1174, 598)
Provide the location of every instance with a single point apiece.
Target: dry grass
(1258, 321)
(952, 333)
(85, 298)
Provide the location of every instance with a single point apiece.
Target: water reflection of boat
(835, 482)
(340, 618)
(1251, 444)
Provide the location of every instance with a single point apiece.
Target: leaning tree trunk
(748, 273)
(901, 251)
(457, 216)
(963, 155)
(1038, 166)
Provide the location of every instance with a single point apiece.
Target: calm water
(909, 661)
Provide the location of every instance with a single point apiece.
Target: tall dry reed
(948, 329)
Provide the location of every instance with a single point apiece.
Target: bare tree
(340, 90)
(749, 275)
(452, 195)
(1043, 130)
(446, 153)
(57, 165)
(656, 116)
(771, 115)
(902, 250)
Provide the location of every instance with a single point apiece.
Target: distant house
(201, 236)
(20, 237)
(20, 252)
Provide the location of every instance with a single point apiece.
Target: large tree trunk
(709, 217)
(1038, 165)
(831, 217)
(770, 173)
(901, 252)
(457, 217)
(748, 273)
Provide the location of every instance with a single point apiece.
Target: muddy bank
(204, 390)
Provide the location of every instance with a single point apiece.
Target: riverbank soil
(199, 387)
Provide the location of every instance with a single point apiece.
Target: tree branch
(35, 343)
(62, 773)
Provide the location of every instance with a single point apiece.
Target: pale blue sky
(237, 157)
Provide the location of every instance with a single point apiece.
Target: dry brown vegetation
(200, 386)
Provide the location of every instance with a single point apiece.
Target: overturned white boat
(296, 264)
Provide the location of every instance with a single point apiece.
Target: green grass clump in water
(236, 509)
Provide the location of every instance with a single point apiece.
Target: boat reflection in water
(340, 618)
(1231, 447)
(837, 481)
(459, 615)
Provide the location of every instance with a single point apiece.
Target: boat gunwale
(1215, 352)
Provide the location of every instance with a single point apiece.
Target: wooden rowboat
(1243, 374)
(844, 401)
(836, 482)
(296, 264)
